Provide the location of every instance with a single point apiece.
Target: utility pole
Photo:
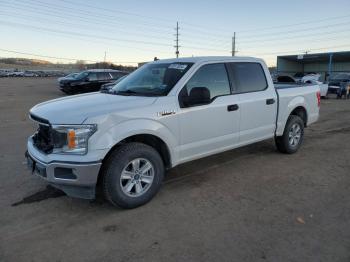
(234, 44)
(177, 40)
(104, 60)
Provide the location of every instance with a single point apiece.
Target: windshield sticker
(178, 66)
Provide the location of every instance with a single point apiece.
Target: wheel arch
(297, 106)
(148, 139)
(301, 112)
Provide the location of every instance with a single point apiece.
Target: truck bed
(291, 95)
(290, 85)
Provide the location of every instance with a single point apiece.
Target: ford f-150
(166, 113)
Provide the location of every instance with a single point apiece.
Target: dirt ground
(250, 204)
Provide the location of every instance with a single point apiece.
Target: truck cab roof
(209, 59)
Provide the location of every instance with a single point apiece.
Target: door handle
(232, 107)
(270, 101)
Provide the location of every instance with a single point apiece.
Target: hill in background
(37, 64)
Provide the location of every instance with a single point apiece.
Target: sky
(127, 32)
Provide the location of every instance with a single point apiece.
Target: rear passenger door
(103, 78)
(257, 101)
(92, 81)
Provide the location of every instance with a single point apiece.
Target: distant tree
(80, 64)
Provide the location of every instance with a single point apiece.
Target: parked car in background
(3, 74)
(323, 87)
(285, 79)
(16, 74)
(29, 74)
(71, 75)
(299, 75)
(164, 114)
(313, 79)
(89, 80)
(337, 81)
(108, 86)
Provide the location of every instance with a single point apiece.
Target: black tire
(115, 164)
(282, 142)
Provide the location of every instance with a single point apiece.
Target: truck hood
(76, 109)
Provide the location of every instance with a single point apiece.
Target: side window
(248, 77)
(107, 76)
(103, 76)
(92, 77)
(114, 75)
(213, 77)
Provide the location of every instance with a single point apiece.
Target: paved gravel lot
(250, 204)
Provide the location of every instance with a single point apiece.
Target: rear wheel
(133, 175)
(292, 137)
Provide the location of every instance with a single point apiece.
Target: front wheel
(292, 137)
(133, 175)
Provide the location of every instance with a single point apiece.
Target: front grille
(43, 140)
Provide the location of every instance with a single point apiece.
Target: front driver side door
(213, 127)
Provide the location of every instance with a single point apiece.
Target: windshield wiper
(125, 92)
(105, 91)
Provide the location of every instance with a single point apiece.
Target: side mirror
(198, 96)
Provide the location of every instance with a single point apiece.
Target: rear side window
(213, 77)
(103, 76)
(248, 77)
(92, 76)
(117, 75)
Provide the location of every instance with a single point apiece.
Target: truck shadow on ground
(48, 192)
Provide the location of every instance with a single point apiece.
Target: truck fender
(129, 128)
(298, 101)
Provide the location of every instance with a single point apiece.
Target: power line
(119, 11)
(72, 14)
(89, 27)
(92, 40)
(298, 51)
(296, 24)
(75, 13)
(75, 16)
(300, 30)
(298, 41)
(86, 27)
(61, 58)
(89, 13)
(208, 38)
(292, 37)
(82, 34)
(138, 15)
(192, 25)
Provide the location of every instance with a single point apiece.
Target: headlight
(72, 139)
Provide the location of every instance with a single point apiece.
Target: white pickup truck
(164, 114)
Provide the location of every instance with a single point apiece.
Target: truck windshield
(152, 79)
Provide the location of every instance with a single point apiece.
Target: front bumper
(76, 179)
(333, 89)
